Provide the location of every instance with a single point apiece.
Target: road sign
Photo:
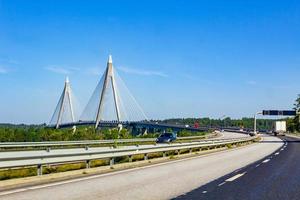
(280, 112)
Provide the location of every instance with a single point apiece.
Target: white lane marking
(265, 161)
(282, 149)
(257, 165)
(11, 192)
(204, 192)
(235, 177)
(276, 153)
(221, 184)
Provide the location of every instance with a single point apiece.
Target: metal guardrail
(86, 142)
(70, 143)
(60, 156)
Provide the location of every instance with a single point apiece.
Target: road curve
(275, 177)
(229, 135)
(160, 181)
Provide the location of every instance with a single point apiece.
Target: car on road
(166, 137)
(252, 134)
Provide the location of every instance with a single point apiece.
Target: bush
(186, 133)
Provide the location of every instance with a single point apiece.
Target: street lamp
(255, 116)
(221, 118)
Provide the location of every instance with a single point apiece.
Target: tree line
(40, 133)
(293, 123)
(247, 123)
(37, 133)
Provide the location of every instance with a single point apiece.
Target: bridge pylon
(109, 80)
(64, 112)
(112, 101)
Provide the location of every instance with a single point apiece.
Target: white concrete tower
(64, 109)
(109, 80)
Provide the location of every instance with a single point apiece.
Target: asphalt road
(160, 181)
(274, 177)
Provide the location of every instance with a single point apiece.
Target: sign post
(274, 113)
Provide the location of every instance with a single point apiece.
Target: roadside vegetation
(186, 133)
(38, 134)
(247, 123)
(23, 133)
(293, 124)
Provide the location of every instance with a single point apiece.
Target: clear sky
(179, 58)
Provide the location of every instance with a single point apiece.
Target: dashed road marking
(204, 192)
(257, 165)
(221, 184)
(276, 153)
(235, 177)
(265, 161)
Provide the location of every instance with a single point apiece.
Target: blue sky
(178, 58)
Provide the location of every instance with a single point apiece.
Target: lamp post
(221, 118)
(255, 116)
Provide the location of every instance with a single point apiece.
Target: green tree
(297, 117)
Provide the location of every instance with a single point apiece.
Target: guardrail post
(177, 152)
(130, 158)
(88, 164)
(146, 156)
(111, 162)
(164, 154)
(39, 170)
(190, 150)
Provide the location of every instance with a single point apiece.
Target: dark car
(166, 137)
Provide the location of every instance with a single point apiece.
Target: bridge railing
(41, 157)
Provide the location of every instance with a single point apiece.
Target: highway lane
(228, 135)
(275, 177)
(160, 181)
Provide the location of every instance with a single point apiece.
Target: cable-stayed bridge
(110, 105)
(111, 101)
